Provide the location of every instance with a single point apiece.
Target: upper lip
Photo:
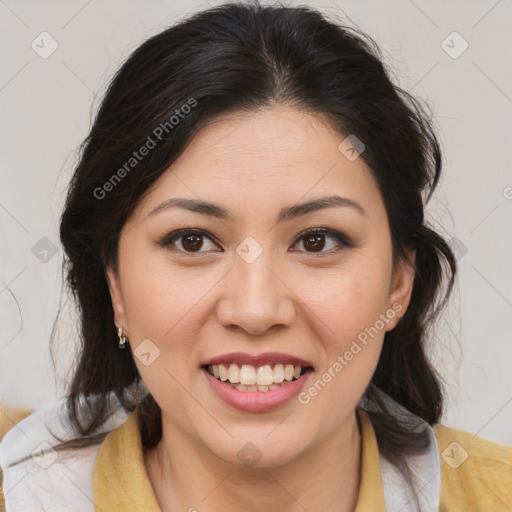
(258, 360)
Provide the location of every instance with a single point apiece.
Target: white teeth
(234, 374)
(265, 375)
(223, 372)
(248, 376)
(241, 387)
(278, 373)
(288, 372)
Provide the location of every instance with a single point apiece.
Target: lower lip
(257, 401)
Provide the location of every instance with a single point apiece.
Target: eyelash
(342, 241)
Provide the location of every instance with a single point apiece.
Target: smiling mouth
(246, 377)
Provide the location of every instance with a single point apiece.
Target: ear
(400, 290)
(116, 298)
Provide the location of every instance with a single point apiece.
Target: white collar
(426, 466)
(59, 482)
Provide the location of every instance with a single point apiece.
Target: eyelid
(333, 233)
(171, 237)
(342, 240)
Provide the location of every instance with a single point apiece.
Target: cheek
(157, 296)
(345, 300)
(161, 306)
(349, 324)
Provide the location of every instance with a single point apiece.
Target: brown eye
(314, 241)
(191, 241)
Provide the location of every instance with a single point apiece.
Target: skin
(209, 301)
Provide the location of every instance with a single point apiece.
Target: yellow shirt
(476, 474)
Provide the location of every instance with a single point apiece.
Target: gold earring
(122, 338)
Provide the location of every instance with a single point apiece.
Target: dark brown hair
(248, 57)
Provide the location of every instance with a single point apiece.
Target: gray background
(47, 106)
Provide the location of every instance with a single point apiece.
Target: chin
(256, 452)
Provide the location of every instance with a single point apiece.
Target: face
(192, 287)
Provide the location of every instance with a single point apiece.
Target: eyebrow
(285, 214)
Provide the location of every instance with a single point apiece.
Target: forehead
(265, 157)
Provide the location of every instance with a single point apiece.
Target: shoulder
(24, 436)
(9, 416)
(38, 477)
(475, 472)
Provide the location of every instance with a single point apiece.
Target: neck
(325, 478)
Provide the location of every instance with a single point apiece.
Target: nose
(256, 297)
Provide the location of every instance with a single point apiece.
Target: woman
(245, 239)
